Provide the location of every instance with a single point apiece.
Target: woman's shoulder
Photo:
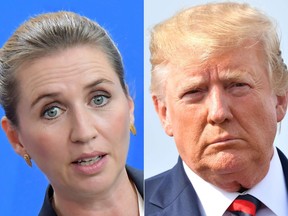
(47, 209)
(137, 176)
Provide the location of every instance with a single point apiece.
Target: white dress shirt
(271, 191)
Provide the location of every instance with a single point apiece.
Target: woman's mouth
(89, 161)
(90, 164)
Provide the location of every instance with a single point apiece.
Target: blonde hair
(209, 30)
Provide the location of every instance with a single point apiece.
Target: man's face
(223, 117)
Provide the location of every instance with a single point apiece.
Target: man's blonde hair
(207, 31)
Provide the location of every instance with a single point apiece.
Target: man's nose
(83, 127)
(219, 108)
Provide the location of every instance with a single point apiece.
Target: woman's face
(74, 120)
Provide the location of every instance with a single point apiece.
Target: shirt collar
(140, 202)
(272, 189)
(264, 191)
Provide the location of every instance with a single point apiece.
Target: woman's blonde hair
(207, 31)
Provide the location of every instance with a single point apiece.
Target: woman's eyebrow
(42, 96)
(56, 94)
(97, 82)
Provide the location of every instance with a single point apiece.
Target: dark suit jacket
(172, 194)
(134, 174)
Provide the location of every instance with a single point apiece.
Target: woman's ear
(131, 109)
(13, 136)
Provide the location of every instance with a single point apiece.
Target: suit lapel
(284, 162)
(175, 195)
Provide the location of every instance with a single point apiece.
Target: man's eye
(239, 84)
(194, 95)
(52, 112)
(239, 89)
(195, 91)
(100, 100)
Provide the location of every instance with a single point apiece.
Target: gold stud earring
(133, 129)
(27, 159)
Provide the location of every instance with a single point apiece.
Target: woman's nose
(83, 127)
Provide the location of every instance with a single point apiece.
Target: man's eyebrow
(232, 74)
(55, 94)
(192, 82)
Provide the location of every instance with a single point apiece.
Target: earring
(133, 129)
(27, 159)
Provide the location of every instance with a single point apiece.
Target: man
(219, 86)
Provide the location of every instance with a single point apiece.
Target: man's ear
(163, 114)
(12, 135)
(281, 106)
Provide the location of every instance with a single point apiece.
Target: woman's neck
(119, 200)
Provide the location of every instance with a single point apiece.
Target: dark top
(134, 174)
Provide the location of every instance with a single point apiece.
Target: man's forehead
(198, 54)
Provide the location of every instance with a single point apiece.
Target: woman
(68, 108)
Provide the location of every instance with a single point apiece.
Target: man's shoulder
(175, 175)
(157, 178)
(154, 181)
(154, 193)
(168, 182)
(167, 193)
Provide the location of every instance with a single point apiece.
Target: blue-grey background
(22, 188)
(160, 151)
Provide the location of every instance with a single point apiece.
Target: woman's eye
(52, 112)
(100, 100)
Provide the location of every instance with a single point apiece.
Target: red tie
(245, 205)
